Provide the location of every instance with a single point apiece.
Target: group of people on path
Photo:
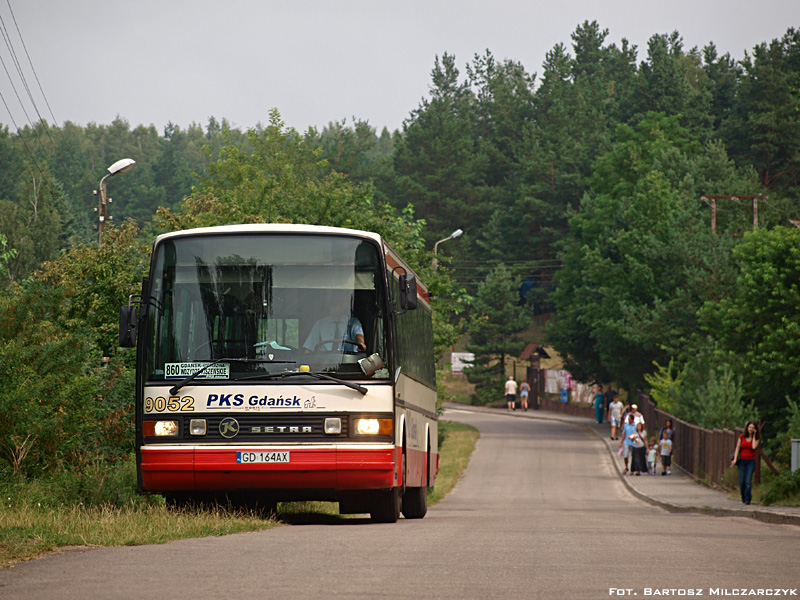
(640, 452)
(608, 402)
(602, 401)
(511, 394)
(644, 452)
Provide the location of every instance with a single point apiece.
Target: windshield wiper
(324, 376)
(174, 389)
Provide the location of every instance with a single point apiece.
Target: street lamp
(125, 164)
(452, 236)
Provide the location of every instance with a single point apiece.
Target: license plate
(262, 457)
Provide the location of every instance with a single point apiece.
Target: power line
(13, 54)
(22, 104)
(24, 143)
(772, 206)
(30, 153)
(35, 75)
(9, 43)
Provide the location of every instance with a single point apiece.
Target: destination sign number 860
(174, 404)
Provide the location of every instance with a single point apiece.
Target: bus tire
(386, 506)
(415, 502)
(415, 499)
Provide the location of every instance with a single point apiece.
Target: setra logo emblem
(229, 427)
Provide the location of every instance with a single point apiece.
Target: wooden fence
(705, 454)
(575, 409)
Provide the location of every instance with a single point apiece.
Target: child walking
(652, 456)
(665, 446)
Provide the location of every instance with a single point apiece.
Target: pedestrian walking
(615, 416)
(525, 389)
(626, 445)
(639, 450)
(609, 396)
(665, 448)
(668, 426)
(511, 393)
(669, 430)
(637, 416)
(652, 456)
(745, 457)
(599, 402)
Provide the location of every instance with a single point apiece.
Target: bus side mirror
(408, 291)
(128, 320)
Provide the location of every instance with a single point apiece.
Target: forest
(585, 190)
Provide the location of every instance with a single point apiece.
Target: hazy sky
(316, 61)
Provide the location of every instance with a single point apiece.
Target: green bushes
(64, 409)
(60, 407)
(782, 488)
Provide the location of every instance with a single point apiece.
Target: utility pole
(712, 201)
(101, 210)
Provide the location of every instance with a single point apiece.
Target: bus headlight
(166, 428)
(197, 427)
(160, 429)
(333, 426)
(373, 426)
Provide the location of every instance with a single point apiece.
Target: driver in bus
(338, 330)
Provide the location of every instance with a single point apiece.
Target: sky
(154, 62)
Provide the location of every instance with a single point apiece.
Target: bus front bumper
(167, 468)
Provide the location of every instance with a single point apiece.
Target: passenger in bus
(329, 332)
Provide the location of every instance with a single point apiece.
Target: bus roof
(271, 228)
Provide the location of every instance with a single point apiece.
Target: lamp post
(452, 236)
(125, 164)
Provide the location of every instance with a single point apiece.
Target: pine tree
(437, 167)
(498, 319)
(764, 127)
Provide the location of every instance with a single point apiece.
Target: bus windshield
(267, 303)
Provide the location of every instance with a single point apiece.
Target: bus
(284, 363)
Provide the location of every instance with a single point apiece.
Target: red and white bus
(284, 362)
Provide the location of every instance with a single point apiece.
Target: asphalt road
(540, 513)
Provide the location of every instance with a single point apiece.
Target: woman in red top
(745, 453)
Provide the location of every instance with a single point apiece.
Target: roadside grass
(454, 454)
(30, 531)
(31, 527)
